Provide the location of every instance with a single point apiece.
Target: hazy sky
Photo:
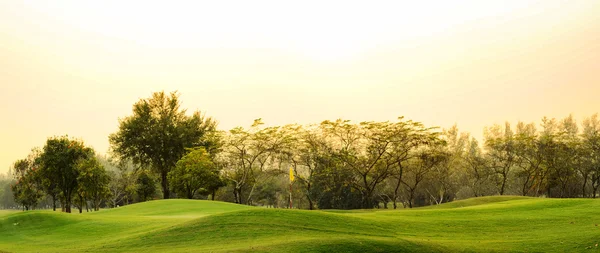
(76, 67)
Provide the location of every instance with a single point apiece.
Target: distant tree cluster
(558, 160)
(336, 164)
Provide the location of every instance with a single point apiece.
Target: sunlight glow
(321, 30)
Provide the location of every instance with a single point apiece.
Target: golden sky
(75, 67)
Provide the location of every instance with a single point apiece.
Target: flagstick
(291, 195)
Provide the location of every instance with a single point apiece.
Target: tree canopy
(193, 173)
(158, 133)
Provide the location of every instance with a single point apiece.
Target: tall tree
(477, 171)
(59, 161)
(443, 180)
(159, 131)
(406, 138)
(306, 157)
(500, 145)
(591, 149)
(529, 161)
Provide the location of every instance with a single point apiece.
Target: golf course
(487, 224)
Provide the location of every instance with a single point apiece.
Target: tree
(591, 149)
(93, 181)
(443, 180)
(193, 173)
(407, 137)
(529, 161)
(363, 149)
(559, 147)
(246, 155)
(477, 171)
(122, 186)
(418, 168)
(306, 157)
(214, 184)
(146, 186)
(26, 191)
(157, 134)
(6, 195)
(59, 161)
(500, 145)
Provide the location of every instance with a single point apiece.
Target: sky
(76, 67)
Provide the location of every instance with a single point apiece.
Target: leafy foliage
(59, 161)
(93, 181)
(159, 131)
(146, 186)
(194, 173)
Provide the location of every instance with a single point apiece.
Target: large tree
(59, 161)
(159, 131)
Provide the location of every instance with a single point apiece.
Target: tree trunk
(584, 186)
(62, 205)
(504, 178)
(411, 199)
(164, 184)
(401, 171)
(310, 201)
(213, 195)
(190, 194)
(367, 195)
(395, 200)
(249, 200)
(525, 189)
(53, 202)
(595, 188)
(235, 196)
(67, 202)
(80, 207)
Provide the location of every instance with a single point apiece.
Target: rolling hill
(488, 224)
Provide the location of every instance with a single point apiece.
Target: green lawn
(490, 224)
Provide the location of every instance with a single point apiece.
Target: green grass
(489, 224)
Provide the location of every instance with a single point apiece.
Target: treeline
(160, 150)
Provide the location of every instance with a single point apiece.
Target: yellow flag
(291, 175)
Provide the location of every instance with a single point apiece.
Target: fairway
(476, 225)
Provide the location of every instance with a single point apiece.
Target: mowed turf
(489, 224)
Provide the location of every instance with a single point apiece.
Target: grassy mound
(480, 225)
(174, 208)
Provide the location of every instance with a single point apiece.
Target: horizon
(76, 68)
